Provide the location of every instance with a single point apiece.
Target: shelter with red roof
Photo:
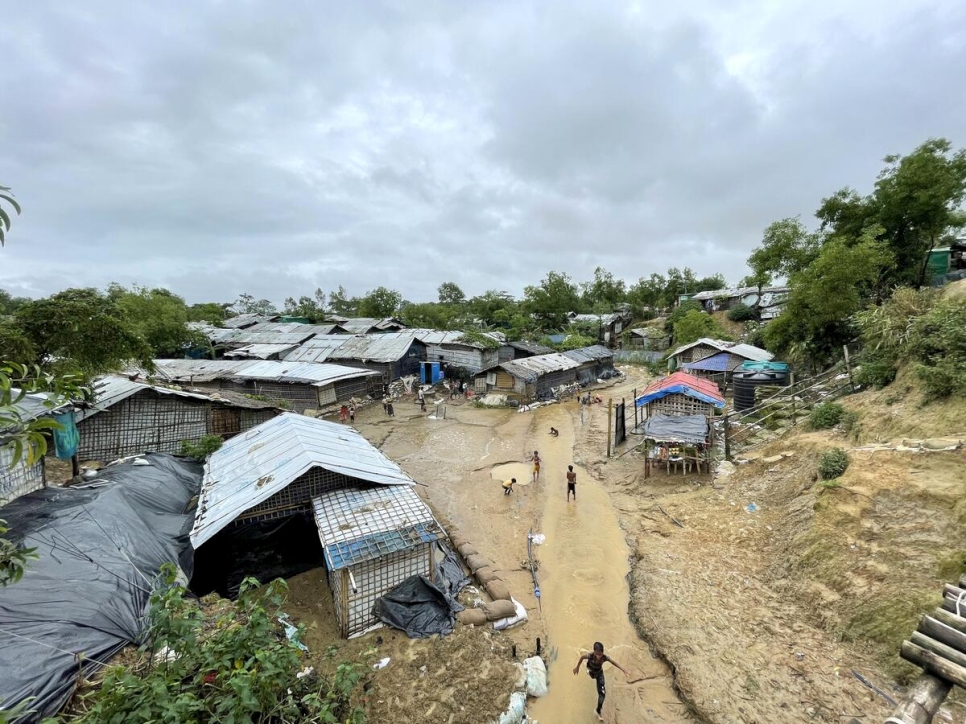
(681, 394)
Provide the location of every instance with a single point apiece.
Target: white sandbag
(519, 616)
(517, 709)
(536, 676)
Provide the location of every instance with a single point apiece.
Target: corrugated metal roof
(531, 368)
(292, 328)
(387, 347)
(718, 344)
(605, 319)
(594, 353)
(245, 320)
(253, 466)
(748, 351)
(187, 370)
(360, 524)
(531, 347)
(436, 336)
(737, 292)
(261, 351)
(246, 337)
(38, 404)
(316, 349)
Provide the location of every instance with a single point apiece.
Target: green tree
(787, 248)
(450, 293)
(604, 292)
(694, 325)
(552, 299)
(247, 304)
(313, 307)
(81, 330)
(817, 319)
(159, 317)
(6, 195)
(380, 302)
(430, 315)
(493, 308)
(14, 342)
(341, 303)
(208, 312)
(9, 304)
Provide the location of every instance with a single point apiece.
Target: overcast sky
(224, 147)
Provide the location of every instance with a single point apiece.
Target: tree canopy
(159, 317)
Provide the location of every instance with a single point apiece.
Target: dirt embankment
(766, 615)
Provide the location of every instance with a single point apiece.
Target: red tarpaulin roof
(675, 382)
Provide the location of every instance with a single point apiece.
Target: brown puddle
(583, 567)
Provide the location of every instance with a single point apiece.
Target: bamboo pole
(950, 619)
(921, 702)
(610, 408)
(933, 663)
(848, 366)
(727, 438)
(941, 632)
(937, 647)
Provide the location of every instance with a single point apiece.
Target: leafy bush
(680, 311)
(203, 448)
(694, 325)
(741, 313)
(832, 463)
(938, 343)
(850, 423)
(876, 372)
(238, 667)
(825, 415)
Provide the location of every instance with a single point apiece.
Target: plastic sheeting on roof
(717, 362)
(683, 383)
(86, 596)
(360, 524)
(253, 466)
(692, 429)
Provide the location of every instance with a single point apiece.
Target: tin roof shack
(298, 385)
(596, 362)
(24, 477)
(368, 325)
(470, 353)
(523, 349)
(692, 352)
(530, 378)
(391, 354)
(681, 394)
(374, 538)
(606, 328)
(242, 321)
(292, 472)
(769, 303)
(129, 418)
(652, 339)
(720, 366)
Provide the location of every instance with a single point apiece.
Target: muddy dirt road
(583, 564)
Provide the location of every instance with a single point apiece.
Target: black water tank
(745, 384)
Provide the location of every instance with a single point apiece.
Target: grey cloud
(220, 148)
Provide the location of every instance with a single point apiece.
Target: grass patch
(952, 567)
(884, 623)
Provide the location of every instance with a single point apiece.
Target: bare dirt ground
(762, 616)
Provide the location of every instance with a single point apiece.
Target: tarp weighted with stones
(99, 545)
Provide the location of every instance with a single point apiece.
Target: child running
(571, 483)
(595, 669)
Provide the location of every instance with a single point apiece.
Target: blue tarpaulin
(714, 363)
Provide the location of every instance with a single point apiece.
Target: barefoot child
(571, 483)
(595, 669)
(508, 485)
(536, 466)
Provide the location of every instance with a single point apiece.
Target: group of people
(456, 388)
(348, 412)
(535, 459)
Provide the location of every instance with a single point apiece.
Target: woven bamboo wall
(297, 496)
(359, 387)
(19, 479)
(679, 404)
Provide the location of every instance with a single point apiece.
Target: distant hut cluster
(538, 376)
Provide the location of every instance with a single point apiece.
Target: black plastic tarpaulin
(691, 429)
(418, 608)
(100, 547)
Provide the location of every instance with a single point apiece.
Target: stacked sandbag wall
(482, 569)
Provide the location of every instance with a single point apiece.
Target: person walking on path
(571, 483)
(508, 485)
(343, 413)
(536, 466)
(595, 669)
(352, 413)
(389, 409)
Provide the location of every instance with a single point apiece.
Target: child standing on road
(571, 483)
(536, 466)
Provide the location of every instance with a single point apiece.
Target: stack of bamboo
(939, 647)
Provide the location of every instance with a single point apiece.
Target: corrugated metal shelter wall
(504, 354)
(299, 396)
(297, 496)
(20, 479)
(145, 421)
(468, 358)
(373, 579)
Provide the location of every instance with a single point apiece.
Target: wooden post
(74, 465)
(635, 407)
(610, 408)
(848, 367)
(922, 701)
(727, 438)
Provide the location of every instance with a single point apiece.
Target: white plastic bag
(519, 616)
